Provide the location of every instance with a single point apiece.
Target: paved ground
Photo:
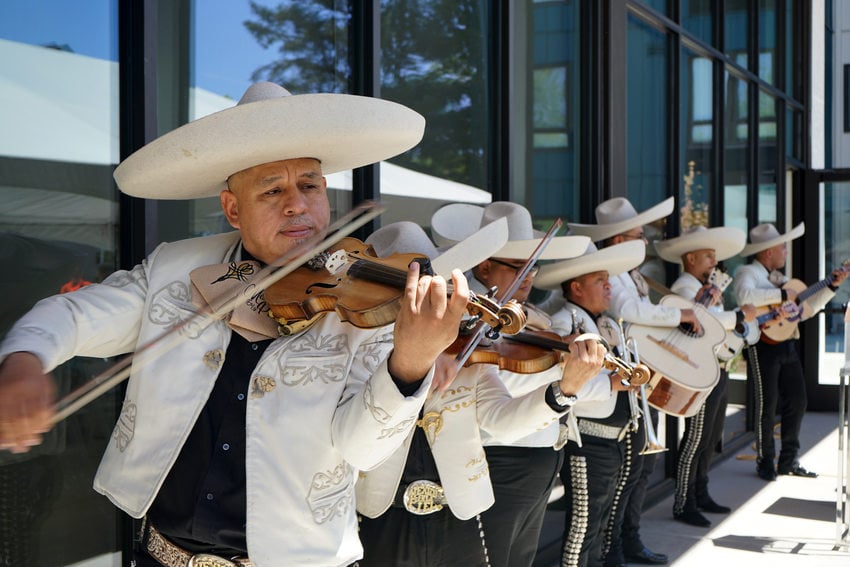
(788, 522)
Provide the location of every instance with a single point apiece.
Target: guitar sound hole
(688, 329)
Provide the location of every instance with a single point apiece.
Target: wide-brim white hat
(726, 241)
(405, 237)
(618, 215)
(614, 259)
(766, 236)
(269, 124)
(455, 222)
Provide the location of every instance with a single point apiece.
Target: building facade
(740, 109)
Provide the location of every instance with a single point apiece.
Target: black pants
(778, 384)
(402, 539)
(623, 537)
(590, 474)
(522, 480)
(703, 431)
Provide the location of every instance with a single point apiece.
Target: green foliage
(433, 59)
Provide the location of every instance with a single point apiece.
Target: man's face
(778, 256)
(700, 263)
(591, 291)
(500, 272)
(277, 205)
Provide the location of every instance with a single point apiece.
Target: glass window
(736, 156)
(647, 150)
(767, 159)
(302, 46)
(662, 6)
(836, 233)
(698, 18)
(793, 49)
(697, 140)
(445, 81)
(736, 23)
(547, 74)
(58, 226)
(767, 40)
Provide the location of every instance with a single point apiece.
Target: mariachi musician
(594, 459)
(617, 221)
(523, 470)
(775, 366)
(427, 498)
(698, 251)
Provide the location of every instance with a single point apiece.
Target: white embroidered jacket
(629, 305)
(475, 398)
(753, 284)
(321, 404)
(596, 399)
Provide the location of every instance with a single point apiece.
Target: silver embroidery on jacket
(330, 493)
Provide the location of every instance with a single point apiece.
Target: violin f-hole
(309, 289)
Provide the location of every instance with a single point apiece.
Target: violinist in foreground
(698, 251)
(774, 365)
(428, 498)
(593, 471)
(522, 470)
(243, 445)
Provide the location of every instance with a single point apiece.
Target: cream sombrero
(726, 241)
(766, 236)
(405, 237)
(614, 259)
(457, 221)
(618, 215)
(269, 124)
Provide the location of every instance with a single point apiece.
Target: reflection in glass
(647, 148)
(736, 30)
(736, 157)
(697, 18)
(768, 154)
(58, 226)
(697, 136)
(793, 50)
(767, 40)
(837, 243)
(545, 109)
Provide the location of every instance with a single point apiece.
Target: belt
(596, 429)
(421, 497)
(171, 555)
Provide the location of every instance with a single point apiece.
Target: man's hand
(582, 362)
(427, 323)
(27, 396)
(689, 316)
(711, 291)
(749, 310)
(838, 276)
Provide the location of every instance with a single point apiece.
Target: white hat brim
(341, 131)
(559, 248)
(474, 249)
(455, 222)
(597, 232)
(726, 241)
(795, 232)
(613, 259)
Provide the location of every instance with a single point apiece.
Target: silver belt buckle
(423, 497)
(207, 560)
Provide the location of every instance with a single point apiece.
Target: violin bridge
(335, 261)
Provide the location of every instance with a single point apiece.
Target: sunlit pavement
(791, 521)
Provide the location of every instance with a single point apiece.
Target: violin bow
(509, 291)
(200, 320)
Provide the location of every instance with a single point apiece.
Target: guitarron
(683, 364)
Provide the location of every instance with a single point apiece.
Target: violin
(530, 352)
(365, 290)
